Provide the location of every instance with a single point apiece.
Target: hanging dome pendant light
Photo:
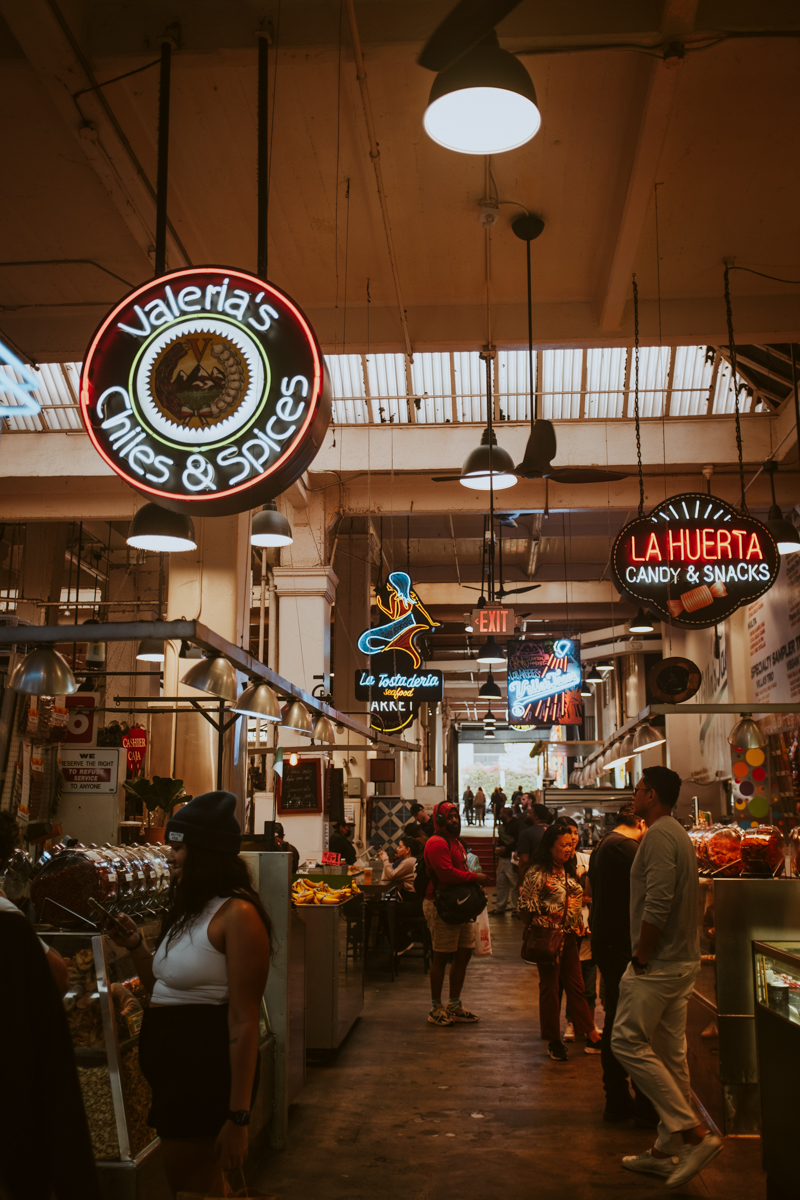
(489, 467)
(44, 672)
(784, 532)
(155, 528)
(270, 527)
(484, 104)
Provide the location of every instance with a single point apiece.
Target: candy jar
(762, 850)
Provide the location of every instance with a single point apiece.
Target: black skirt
(184, 1053)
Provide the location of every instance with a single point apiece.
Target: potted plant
(159, 796)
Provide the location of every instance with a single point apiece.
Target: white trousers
(649, 1040)
(507, 885)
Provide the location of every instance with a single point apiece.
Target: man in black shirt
(506, 875)
(340, 842)
(425, 823)
(609, 877)
(531, 835)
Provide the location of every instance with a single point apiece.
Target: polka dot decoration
(751, 786)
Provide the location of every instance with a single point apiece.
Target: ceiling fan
(541, 447)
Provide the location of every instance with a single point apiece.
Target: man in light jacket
(649, 1037)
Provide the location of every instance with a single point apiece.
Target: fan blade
(518, 591)
(445, 478)
(586, 475)
(539, 451)
(467, 24)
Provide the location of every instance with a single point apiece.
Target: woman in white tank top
(198, 1045)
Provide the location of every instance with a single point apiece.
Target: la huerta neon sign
(206, 390)
(695, 559)
(394, 695)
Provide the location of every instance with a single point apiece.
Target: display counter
(720, 1025)
(776, 983)
(335, 970)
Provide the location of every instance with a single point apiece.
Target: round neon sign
(695, 559)
(206, 391)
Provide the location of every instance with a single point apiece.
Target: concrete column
(209, 584)
(305, 596)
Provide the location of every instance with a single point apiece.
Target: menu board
(301, 786)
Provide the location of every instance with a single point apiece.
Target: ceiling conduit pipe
(375, 155)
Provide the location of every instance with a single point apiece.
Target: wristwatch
(639, 965)
(241, 1117)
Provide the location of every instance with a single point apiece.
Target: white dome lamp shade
(745, 734)
(646, 738)
(296, 717)
(259, 700)
(44, 672)
(270, 527)
(484, 104)
(489, 467)
(323, 730)
(213, 674)
(159, 529)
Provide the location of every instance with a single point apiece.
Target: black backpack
(455, 905)
(422, 878)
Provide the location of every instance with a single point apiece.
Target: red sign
(695, 559)
(206, 390)
(135, 742)
(497, 619)
(81, 726)
(329, 859)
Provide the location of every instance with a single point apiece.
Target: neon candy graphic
(408, 618)
(27, 406)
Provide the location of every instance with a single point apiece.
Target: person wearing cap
(341, 843)
(286, 847)
(446, 864)
(198, 1045)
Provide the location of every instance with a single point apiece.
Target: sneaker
(460, 1015)
(692, 1159)
(593, 1047)
(647, 1165)
(569, 1032)
(440, 1016)
(558, 1052)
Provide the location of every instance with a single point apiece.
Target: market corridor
(407, 1111)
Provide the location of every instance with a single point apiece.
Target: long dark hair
(414, 844)
(542, 860)
(205, 875)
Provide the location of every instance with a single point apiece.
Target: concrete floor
(408, 1111)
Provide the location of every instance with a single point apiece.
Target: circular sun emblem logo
(200, 381)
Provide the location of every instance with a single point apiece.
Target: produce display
(305, 891)
(99, 1105)
(762, 850)
(137, 1094)
(82, 1001)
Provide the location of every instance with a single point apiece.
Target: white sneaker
(569, 1032)
(647, 1165)
(693, 1158)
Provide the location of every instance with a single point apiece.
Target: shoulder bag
(543, 945)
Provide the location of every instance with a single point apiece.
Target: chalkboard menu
(301, 786)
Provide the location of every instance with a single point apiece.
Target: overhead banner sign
(206, 391)
(695, 559)
(544, 682)
(395, 684)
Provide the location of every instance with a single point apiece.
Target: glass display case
(104, 1006)
(776, 983)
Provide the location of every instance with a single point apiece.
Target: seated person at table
(286, 847)
(341, 842)
(401, 871)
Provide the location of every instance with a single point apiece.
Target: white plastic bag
(483, 937)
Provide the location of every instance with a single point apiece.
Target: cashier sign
(695, 559)
(206, 391)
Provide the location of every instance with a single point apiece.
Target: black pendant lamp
(641, 623)
(490, 690)
(270, 527)
(784, 532)
(491, 653)
(593, 675)
(155, 528)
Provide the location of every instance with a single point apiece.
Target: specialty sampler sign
(544, 682)
(395, 684)
(206, 391)
(695, 559)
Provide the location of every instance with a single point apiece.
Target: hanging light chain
(734, 370)
(636, 391)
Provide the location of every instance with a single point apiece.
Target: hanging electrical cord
(636, 392)
(734, 372)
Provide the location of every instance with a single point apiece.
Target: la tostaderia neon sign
(695, 559)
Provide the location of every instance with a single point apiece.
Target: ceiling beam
(659, 90)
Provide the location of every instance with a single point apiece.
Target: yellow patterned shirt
(542, 894)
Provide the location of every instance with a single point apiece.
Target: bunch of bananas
(305, 891)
